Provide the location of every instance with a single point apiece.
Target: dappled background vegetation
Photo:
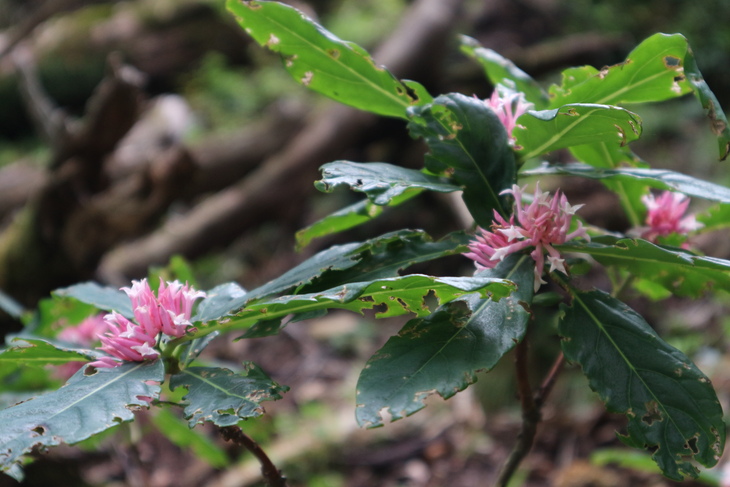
(132, 132)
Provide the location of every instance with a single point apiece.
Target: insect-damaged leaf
(392, 296)
(85, 406)
(660, 68)
(380, 181)
(225, 397)
(670, 405)
(468, 143)
(324, 63)
(575, 124)
(442, 352)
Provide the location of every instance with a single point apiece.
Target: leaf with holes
(224, 397)
(671, 406)
(392, 296)
(468, 143)
(320, 61)
(576, 124)
(84, 406)
(379, 257)
(653, 71)
(381, 182)
(441, 353)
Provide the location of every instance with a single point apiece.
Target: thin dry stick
(271, 474)
(531, 410)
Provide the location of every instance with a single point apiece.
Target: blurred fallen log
(412, 50)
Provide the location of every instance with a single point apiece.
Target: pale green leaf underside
(381, 182)
(655, 178)
(669, 403)
(225, 397)
(678, 271)
(85, 406)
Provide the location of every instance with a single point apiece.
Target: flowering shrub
(484, 151)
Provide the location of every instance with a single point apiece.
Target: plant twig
(271, 474)
(531, 410)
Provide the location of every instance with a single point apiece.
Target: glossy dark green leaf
(441, 353)
(225, 397)
(677, 270)
(653, 71)
(381, 182)
(655, 178)
(670, 404)
(576, 124)
(317, 59)
(85, 406)
(502, 71)
(102, 297)
(468, 143)
(383, 256)
(391, 296)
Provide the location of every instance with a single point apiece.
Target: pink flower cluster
(168, 313)
(508, 105)
(541, 224)
(665, 215)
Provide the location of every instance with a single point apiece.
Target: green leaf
(717, 217)
(709, 102)
(219, 301)
(656, 178)
(383, 256)
(381, 182)
(101, 297)
(341, 220)
(468, 143)
(85, 406)
(609, 156)
(391, 296)
(575, 124)
(317, 59)
(224, 397)
(442, 352)
(677, 270)
(40, 352)
(179, 433)
(653, 71)
(13, 308)
(502, 71)
(670, 404)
